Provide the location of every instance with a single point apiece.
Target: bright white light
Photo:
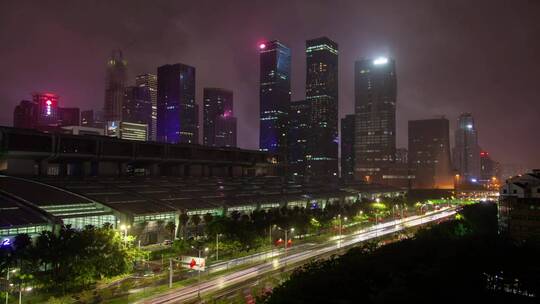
(469, 126)
(474, 180)
(380, 60)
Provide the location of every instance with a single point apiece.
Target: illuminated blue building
(275, 96)
(177, 112)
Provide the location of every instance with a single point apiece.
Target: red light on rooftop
(262, 46)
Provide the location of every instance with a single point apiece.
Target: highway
(219, 283)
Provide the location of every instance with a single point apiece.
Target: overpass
(33, 153)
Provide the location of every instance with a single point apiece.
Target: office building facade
(25, 115)
(137, 107)
(375, 124)
(322, 94)
(127, 130)
(177, 112)
(275, 96)
(149, 81)
(429, 154)
(298, 136)
(69, 116)
(115, 82)
(466, 150)
(219, 123)
(347, 147)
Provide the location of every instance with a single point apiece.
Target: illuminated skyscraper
(47, 104)
(275, 96)
(322, 94)
(150, 81)
(347, 147)
(429, 153)
(115, 83)
(299, 132)
(177, 112)
(137, 107)
(219, 124)
(375, 110)
(466, 150)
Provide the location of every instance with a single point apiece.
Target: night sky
(451, 56)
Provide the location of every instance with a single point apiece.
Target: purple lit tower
(177, 112)
(218, 120)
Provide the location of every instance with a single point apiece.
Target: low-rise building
(519, 207)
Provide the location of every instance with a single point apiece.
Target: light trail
(221, 282)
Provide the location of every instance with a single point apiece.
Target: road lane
(221, 282)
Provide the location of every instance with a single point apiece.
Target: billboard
(193, 263)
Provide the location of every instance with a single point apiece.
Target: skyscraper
(137, 107)
(299, 132)
(150, 81)
(115, 82)
(69, 116)
(322, 94)
(25, 115)
(429, 153)
(177, 112)
(466, 150)
(347, 147)
(225, 133)
(219, 125)
(47, 115)
(489, 168)
(375, 110)
(275, 96)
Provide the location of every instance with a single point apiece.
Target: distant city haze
(481, 57)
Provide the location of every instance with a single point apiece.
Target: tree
(196, 220)
(184, 219)
(170, 227)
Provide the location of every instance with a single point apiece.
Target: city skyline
(423, 93)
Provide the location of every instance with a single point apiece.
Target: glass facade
(177, 112)
(81, 214)
(375, 123)
(275, 96)
(30, 230)
(116, 79)
(149, 81)
(322, 95)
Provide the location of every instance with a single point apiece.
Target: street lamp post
(170, 272)
(20, 292)
(7, 282)
(217, 246)
(376, 224)
(199, 285)
(286, 240)
(7, 286)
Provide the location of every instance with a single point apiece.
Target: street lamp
(286, 239)
(217, 246)
(27, 289)
(7, 282)
(199, 285)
